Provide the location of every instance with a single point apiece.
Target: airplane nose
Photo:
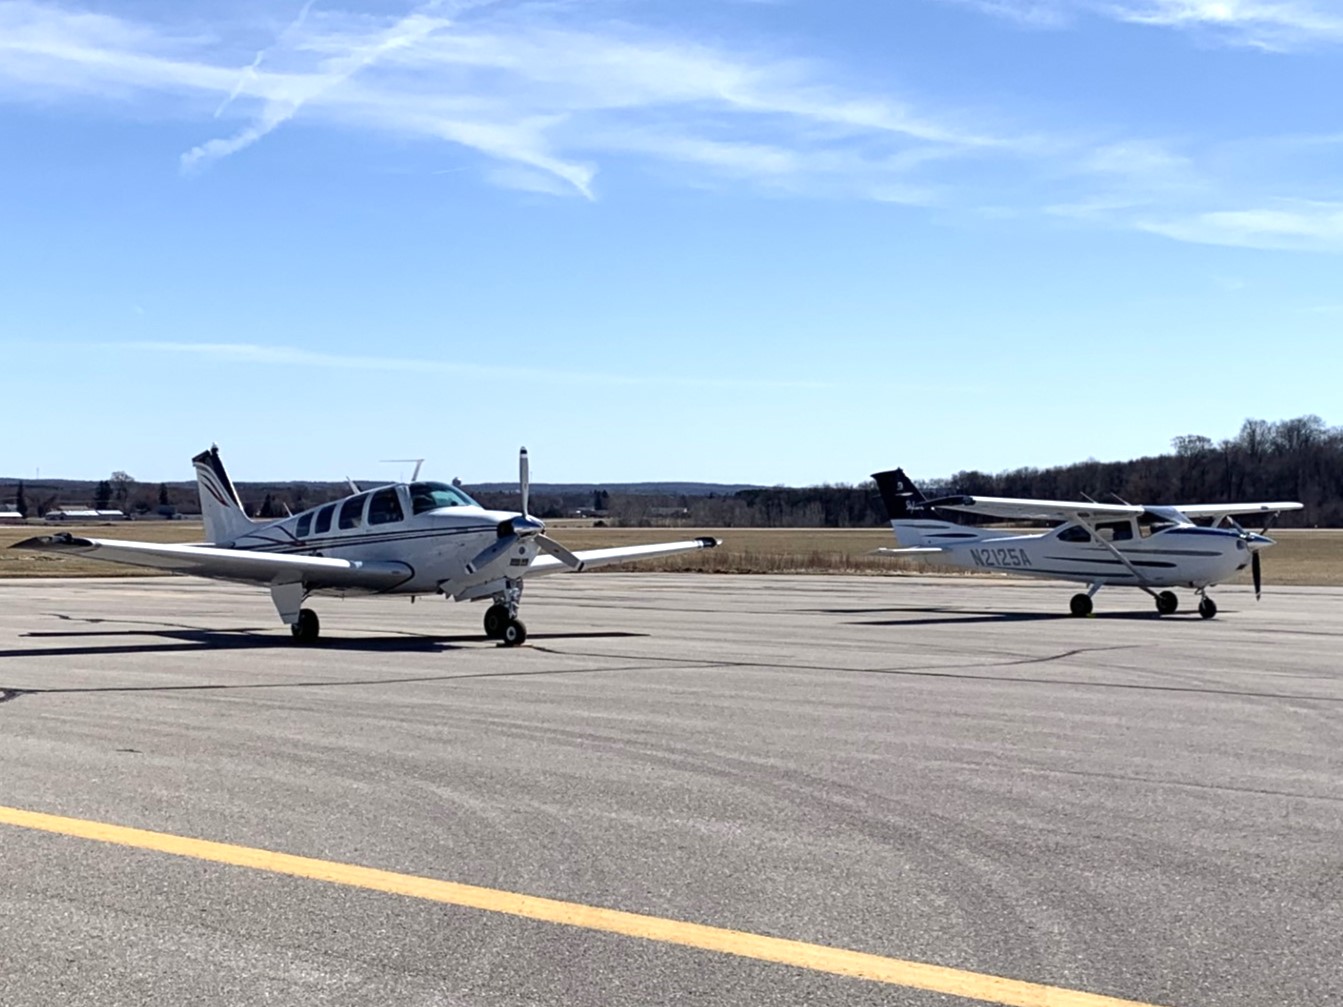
(1256, 541)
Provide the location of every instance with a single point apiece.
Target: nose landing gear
(501, 618)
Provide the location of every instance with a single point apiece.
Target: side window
(350, 512)
(304, 525)
(385, 507)
(324, 519)
(1074, 533)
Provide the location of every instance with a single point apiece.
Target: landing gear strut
(501, 618)
(308, 627)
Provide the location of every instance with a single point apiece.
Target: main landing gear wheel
(308, 627)
(1167, 603)
(496, 618)
(1207, 608)
(514, 634)
(1080, 604)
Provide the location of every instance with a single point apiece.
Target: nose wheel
(501, 618)
(1207, 607)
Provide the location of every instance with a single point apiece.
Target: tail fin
(902, 498)
(225, 519)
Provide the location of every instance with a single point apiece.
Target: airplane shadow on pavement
(938, 616)
(177, 640)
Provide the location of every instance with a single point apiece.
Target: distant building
(10, 517)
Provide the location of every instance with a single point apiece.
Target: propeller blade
(524, 480)
(549, 545)
(491, 552)
(1257, 575)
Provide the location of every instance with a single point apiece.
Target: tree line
(1297, 459)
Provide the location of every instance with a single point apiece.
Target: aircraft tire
(1207, 608)
(515, 633)
(496, 618)
(1080, 605)
(1167, 603)
(308, 628)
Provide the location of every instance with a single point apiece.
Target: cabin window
(304, 525)
(384, 507)
(1115, 531)
(351, 511)
(1074, 533)
(324, 519)
(431, 496)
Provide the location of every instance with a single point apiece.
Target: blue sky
(727, 240)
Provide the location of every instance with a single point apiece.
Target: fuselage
(1180, 555)
(435, 530)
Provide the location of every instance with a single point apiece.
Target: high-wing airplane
(411, 538)
(1099, 544)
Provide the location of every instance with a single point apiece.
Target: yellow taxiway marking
(855, 964)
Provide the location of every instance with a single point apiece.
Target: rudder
(222, 509)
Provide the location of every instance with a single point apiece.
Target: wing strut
(1142, 580)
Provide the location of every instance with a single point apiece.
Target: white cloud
(291, 356)
(1291, 225)
(1266, 24)
(548, 96)
(1270, 24)
(520, 84)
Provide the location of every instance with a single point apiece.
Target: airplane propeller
(524, 526)
(1252, 543)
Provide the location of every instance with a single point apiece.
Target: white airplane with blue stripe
(1098, 544)
(416, 538)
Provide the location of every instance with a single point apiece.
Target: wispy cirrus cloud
(531, 86)
(547, 94)
(1265, 24)
(1293, 225)
(273, 355)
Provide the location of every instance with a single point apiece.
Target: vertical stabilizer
(225, 519)
(899, 494)
(913, 519)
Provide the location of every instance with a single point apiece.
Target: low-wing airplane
(1099, 544)
(411, 538)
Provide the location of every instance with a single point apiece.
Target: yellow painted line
(818, 958)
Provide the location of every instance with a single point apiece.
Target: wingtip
(709, 543)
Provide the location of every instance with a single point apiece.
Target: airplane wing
(913, 550)
(593, 558)
(1219, 511)
(1037, 510)
(314, 572)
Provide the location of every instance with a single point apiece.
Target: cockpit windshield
(431, 496)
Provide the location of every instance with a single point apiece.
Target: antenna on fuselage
(403, 461)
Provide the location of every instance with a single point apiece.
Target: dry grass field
(1305, 557)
